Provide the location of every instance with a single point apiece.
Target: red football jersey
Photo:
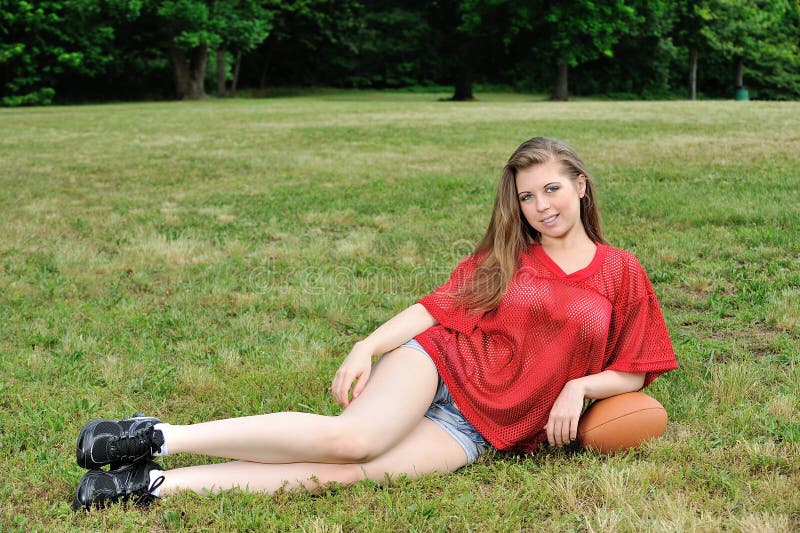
(505, 368)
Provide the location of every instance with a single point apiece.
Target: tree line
(89, 50)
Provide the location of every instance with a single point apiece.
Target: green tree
(41, 41)
(455, 29)
(760, 33)
(643, 60)
(582, 30)
(778, 75)
(188, 33)
(688, 33)
(397, 47)
(241, 25)
(188, 29)
(309, 42)
(391, 47)
(468, 34)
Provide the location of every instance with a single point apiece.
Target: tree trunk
(463, 81)
(221, 73)
(739, 69)
(180, 70)
(236, 66)
(560, 91)
(189, 70)
(693, 74)
(463, 89)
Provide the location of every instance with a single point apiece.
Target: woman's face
(550, 200)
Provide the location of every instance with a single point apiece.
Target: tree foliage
(570, 44)
(763, 33)
(311, 42)
(88, 49)
(241, 26)
(41, 42)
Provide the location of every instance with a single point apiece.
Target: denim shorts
(444, 414)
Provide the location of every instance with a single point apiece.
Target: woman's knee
(349, 445)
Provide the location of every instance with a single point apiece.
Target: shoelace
(142, 491)
(136, 445)
(155, 484)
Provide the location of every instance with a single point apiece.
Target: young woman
(542, 316)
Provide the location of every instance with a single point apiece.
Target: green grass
(219, 258)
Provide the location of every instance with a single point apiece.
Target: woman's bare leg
(428, 448)
(400, 390)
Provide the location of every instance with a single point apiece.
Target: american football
(620, 422)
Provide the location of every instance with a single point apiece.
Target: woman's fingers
(561, 430)
(573, 428)
(558, 432)
(341, 387)
(357, 365)
(343, 382)
(360, 384)
(347, 384)
(565, 427)
(562, 425)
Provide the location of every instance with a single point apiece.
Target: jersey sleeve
(640, 341)
(444, 307)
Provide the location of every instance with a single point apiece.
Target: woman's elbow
(630, 381)
(637, 380)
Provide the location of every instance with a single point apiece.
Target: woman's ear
(581, 185)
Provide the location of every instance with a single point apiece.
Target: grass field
(214, 259)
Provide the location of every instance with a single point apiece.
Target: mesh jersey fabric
(506, 367)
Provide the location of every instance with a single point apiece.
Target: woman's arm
(394, 332)
(562, 426)
(607, 383)
(403, 326)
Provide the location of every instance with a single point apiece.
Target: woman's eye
(551, 189)
(525, 197)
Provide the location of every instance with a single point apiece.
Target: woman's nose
(542, 204)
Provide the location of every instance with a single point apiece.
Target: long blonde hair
(509, 234)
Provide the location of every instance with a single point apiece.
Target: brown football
(622, 421)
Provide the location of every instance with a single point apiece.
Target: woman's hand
(356, 366)
(562, 426)
(394, 332)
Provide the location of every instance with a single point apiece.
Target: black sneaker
(130, 440)
(98, 488)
